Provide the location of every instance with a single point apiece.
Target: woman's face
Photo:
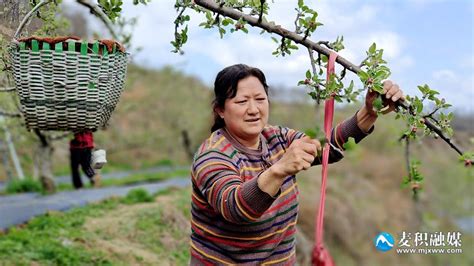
(246, 114)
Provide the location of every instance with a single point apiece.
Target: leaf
(419, 108)
(363, 76)
(308, 74)
(378, 103)
(350, 144)
(300, 3)
(372, 48)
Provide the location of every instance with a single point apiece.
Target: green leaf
(350, 144)
(308, 74)
(363, 76)
(300, 3)
(419, 108)
(378, 103)
(372, 48)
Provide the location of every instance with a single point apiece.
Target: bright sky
(425, 41)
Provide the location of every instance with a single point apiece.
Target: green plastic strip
(46, 46)
(114, 48)
(34, 46)
(95, 48)
(71, 46)
(91, 85)
(105, 51)
(84, 48)
(22, 46)
(58, 47)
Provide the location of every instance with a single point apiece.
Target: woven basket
(65, 83)
(67, 89)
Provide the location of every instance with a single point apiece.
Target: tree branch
(260, 16)
(277, 29)
(95, 9)
(442, 136)
(9, 114)
(284, 33)
(7, 89)
(27, 17)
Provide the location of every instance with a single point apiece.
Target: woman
(244, 201)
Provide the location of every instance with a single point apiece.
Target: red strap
(320, 255)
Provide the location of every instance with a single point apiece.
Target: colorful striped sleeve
(218, 179)
(340, 134)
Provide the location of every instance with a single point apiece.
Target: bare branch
(95, 9)
(432, 113)
(260, 16)
(27, 17)
(7, 89)
(297, 28)
(311, 57)
(9, 114)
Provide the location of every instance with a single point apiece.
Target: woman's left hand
(392, 93)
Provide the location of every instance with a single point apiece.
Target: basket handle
(94, 9)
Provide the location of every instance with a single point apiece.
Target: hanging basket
(67, 84)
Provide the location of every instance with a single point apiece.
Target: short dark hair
(225, 87)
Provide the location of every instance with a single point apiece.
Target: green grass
(54, 238)
(62, 239)
(29, 185)
(21, 186)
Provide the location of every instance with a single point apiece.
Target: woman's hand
(299, 156)
(367, 115)
(392, 93)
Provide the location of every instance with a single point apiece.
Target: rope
(321, 256)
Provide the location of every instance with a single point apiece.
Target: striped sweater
(233, 221)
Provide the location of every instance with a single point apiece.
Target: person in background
(244, 190)
(81, 147)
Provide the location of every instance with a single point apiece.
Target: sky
(425, 42)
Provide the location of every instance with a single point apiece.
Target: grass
(29, 185)
(74, 237)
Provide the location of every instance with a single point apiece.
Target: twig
(313, 65)
(297, 28)
(7, 89)
(432, 113)
(363, 61)
(260, 16)
(95, 9)
(442, 136)
(27, 17)
(325, 43)
(9, 114)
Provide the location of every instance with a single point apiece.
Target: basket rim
(109, 43)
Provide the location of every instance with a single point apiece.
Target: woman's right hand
(299, 156)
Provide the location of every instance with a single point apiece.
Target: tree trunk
(187, 144)
(44, 156)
